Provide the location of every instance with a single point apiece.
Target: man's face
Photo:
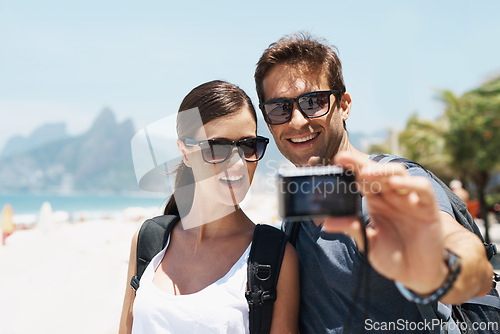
(306, 141)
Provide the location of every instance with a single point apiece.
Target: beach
(71, 278)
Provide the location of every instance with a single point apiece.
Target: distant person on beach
(7, 222)
(457, 188)
(417, 251)
(197, 283)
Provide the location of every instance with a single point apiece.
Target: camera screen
(317, 196)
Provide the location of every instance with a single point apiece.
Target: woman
(197, 283)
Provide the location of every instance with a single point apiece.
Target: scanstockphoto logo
(314, 180)
(317, 185)
(426, 325)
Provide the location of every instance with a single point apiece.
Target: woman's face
(226, 182)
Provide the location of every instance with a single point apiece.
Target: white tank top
(221, 307)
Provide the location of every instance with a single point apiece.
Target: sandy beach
(71, 278)
(67, 280)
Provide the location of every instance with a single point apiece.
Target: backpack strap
(264, 264)
(444, 312)
(151, 239)
(488, 300)
(291, 229)
(441, 312)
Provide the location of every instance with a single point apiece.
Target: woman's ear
(345, 106)
(182, 148)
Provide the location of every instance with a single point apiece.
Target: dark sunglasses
(311, 105)
(215, 151)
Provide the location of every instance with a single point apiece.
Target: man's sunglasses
(215, 151)
(311, 105)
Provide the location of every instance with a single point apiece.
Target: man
(457, 187)
(412, 234)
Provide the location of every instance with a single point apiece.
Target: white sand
(67, 280)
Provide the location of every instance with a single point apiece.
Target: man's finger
(367, 168)
(348, 224)
(405, 185)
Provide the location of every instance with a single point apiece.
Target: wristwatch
(453, 263)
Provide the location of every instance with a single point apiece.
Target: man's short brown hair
(305, 53)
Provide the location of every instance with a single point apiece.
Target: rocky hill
(96, 161)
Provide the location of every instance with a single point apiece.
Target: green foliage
(424, 141)
(474, 134)
(465, 141)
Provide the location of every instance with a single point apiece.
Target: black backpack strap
(488, 300)
(379, 157)
(264, 264)
(291, 229)
(151, 239)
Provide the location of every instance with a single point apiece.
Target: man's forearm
(475, 278)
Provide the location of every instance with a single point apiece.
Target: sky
(64, 61)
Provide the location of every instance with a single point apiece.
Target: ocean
(89, 205)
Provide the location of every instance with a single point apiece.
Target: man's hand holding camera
(407, 234)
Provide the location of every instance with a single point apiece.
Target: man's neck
(346, 145)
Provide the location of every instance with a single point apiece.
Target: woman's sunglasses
(311, 105)
(215, 151)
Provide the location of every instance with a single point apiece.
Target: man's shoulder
(386, 157)
(410, 164)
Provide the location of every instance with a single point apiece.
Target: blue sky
(63, 61)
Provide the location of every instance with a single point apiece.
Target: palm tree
(473, 137)
(464, 142)
(424, 141)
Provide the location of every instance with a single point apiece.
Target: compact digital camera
(315, 192)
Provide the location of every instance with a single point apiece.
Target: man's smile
(303, 139)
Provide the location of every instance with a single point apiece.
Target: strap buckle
(494, 250)
(260, 297)
(134, 283)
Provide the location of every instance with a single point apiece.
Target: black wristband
(453, 263)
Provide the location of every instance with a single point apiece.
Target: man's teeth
(232, 178)
(303, 139)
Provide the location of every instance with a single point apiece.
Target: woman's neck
(213, 221)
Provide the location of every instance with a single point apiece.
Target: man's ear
(182, 148)
(345, 106)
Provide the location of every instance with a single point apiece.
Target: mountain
(41, 136)
(99, 160)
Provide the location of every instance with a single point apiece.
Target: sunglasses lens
(249, 151)
(278, 112)
(253, 149)
(315, 104)
(214, 152)
(218, 150)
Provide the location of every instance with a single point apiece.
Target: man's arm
(473, 280)
(408, 234)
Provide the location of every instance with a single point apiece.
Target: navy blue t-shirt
(338, 285)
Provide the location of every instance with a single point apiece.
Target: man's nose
(297, 120)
